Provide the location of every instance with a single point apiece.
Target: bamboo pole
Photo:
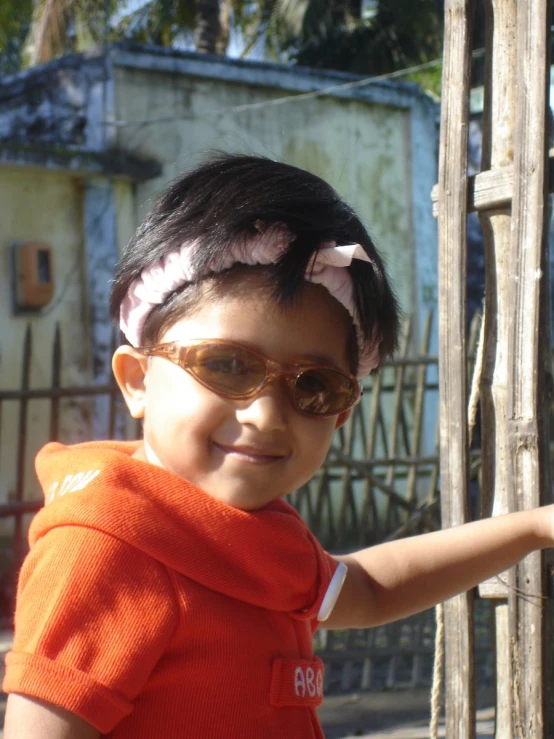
(529, 340)
(497, 153)
(453, 198)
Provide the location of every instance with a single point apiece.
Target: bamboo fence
(380, 481)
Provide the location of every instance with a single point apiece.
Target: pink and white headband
(327, 268)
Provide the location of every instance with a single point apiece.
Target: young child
(170, 592)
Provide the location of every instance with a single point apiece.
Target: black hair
(225, 200)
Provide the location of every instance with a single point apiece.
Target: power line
(366, 81)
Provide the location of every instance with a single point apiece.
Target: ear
(129, 368)
(342, 418)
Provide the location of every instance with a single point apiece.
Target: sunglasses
(232, 371)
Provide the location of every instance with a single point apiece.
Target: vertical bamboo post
(497, 152)
(419, 408)
(453, 190)
(529, 339)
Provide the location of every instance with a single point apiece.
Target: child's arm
(28, 717)
(394, 580)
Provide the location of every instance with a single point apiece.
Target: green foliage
(429, 80)
(159, 22)
(89, 20)
(15, 19)
(401, 34)
(331, 34)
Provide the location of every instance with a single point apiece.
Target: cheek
(162, 395)
(174, 399)
(317, 436)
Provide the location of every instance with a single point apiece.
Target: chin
(245, 502)
(245, 505)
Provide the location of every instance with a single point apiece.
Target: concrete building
(87, 142)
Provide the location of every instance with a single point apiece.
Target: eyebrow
(322, 359)
(318, 359)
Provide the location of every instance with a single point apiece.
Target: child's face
(243, 452)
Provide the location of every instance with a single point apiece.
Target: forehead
(242, 308)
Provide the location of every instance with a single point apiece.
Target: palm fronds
(49, 30)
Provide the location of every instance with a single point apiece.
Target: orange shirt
(152, 610)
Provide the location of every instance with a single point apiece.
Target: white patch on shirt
(71, 484)
(307, 682)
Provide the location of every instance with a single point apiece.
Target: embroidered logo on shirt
(71, 484)
(296, 682)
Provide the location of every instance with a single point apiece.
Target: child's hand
(545, 525)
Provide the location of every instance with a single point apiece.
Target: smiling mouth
(252, 456)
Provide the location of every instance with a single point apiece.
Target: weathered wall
(375, 143)
(37, 205)
(58, 104)
(93, 121)
(363, 150)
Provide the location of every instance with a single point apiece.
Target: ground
(392, 715)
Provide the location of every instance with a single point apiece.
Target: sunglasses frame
(177, 354)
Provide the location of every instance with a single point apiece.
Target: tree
(15, 20)
(393, 35)
(362, 36)
(171, 22)
(54, 27)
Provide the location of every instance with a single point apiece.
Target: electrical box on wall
(32, 277)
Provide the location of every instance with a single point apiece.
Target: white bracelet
(333, 592)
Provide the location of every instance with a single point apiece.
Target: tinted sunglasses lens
(228, 370)
(324, 392)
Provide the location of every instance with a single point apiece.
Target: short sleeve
(93, 617)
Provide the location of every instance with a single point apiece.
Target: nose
(267, 411)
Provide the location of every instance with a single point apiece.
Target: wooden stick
(529, 339)
(453, 164)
